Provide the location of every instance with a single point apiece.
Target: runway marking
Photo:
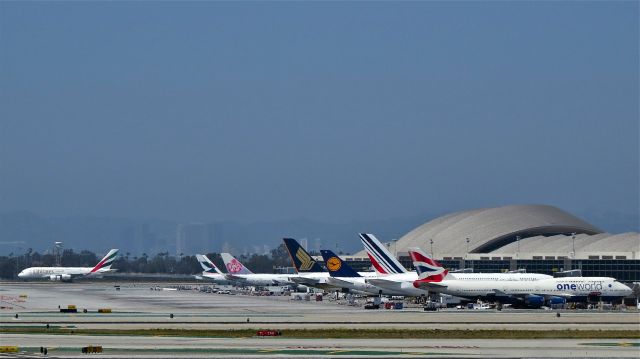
(617, 344)
(239, 351)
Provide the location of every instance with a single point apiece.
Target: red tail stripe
(376, 265)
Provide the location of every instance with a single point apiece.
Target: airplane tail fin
(428, 269)
(302, 260)
(233, 265)
(207, 265)
(383, 261)
(336, 266)
(106, 262)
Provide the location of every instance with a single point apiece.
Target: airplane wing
(339, 282)
(431, 285)
(384, 283)
(303, 280)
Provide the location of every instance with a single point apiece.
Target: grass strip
(344, 333)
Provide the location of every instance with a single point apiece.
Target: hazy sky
(331, 111)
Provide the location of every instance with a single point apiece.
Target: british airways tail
(382, 260)
(207, 265)
(302, 260)
(233, 265)
(105, 264)
(336, 266)
(428, 269)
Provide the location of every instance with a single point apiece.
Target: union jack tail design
(106, 262)
(429, 270)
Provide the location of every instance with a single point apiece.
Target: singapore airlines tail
(302, 260)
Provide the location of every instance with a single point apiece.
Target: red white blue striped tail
(428, 269)
(382, 260)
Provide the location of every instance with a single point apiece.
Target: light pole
(431, 242)
(573, 245)
(518, 245)
(394, 247)
(467, 240)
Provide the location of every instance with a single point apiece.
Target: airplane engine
(534, 300)
(60, 278)
(556, 301)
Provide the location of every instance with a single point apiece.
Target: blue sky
(333, 111)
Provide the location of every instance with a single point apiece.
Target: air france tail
(428, 269)
(233, 265)
(336, 266)
(383, 261)
(105, 264)
(207, 265)
(302, 260)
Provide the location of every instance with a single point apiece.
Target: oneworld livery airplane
(532, 293)
(394, 279)
(67, 274)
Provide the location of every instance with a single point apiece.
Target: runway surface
(138, 307)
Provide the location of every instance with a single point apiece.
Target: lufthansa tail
(105, 264)
(302, 260)
(207, 265)
(336, 266)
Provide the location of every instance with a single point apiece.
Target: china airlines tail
(233, 265)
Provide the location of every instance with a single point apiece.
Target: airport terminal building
(537, 238)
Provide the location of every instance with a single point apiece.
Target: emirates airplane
(67, 274)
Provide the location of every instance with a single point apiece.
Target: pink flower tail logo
(234, 266)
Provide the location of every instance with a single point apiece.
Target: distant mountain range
(22, 230)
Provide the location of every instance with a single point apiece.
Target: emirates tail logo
(234, 266)
(306, 262)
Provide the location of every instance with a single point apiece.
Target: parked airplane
(210, 271)
(528, 293)
(67, 274)
(396, 279)
(345, 277)
(237, 272)
(381, 259)
(310, 273)
(393, 277)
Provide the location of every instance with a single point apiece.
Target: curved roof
(489, 229)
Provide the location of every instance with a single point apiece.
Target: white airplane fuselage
(402, 283)
(569, 288)
(59, 273)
